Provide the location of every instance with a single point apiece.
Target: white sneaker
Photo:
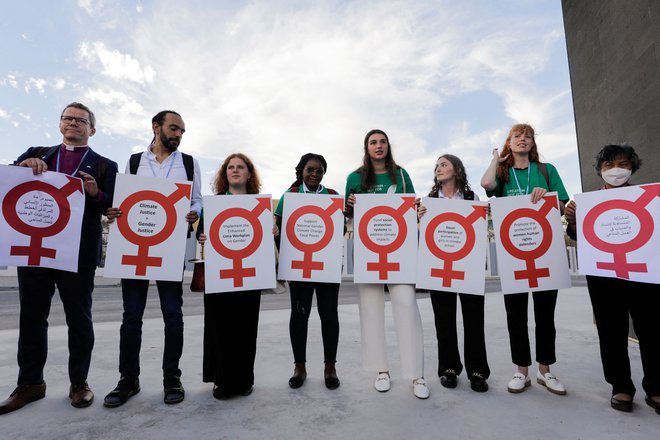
(382, 383)
(420, 390)
(551, 383)
(518, 383)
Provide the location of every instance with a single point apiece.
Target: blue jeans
(134, 295)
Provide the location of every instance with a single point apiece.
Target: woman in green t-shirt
(518, 171)
(380, 174)
(309, 173)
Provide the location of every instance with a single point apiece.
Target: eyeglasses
(68, 120)
(317, 171)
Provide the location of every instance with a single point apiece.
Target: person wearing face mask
(309, 173)
(518, 171)
(451, 182)
(614, 300)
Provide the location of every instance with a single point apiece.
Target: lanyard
(529, 167)
(153, 171)
(57, 163)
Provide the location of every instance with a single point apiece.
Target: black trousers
(301, 304)
(231, 321)
(36, 287)
(613, 301)
(474, 342)
(134, 296)
(544, 317)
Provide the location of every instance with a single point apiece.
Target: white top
(457, 195)
(172, 168)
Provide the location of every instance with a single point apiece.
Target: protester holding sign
(451, 182)
(231, 318)
(379, 174)
(518, 171)
(163, 160)
(309, 173)
(37, 284)
(614, 300)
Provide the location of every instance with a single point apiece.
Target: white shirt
(458, 195)
(171, 168)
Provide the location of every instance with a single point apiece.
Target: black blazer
(105, 172)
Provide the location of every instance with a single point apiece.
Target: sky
(276, 79)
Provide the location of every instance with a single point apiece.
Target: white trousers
(407, 323)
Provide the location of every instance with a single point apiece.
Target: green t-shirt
(383, 184)
(536, 180)
(301, 189)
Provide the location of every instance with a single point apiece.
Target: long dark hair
(301, 166)
(459, 175)
(221, 185)
(367, 168)
(503, 168)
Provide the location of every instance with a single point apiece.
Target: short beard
(167, 143)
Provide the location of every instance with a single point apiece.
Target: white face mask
(616, 176)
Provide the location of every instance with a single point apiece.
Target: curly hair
(503, 168)
(460, 176)
(220, 185)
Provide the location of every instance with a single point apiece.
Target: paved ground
(355, 410)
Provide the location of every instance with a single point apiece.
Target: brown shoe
(22, 395)
(80, 394)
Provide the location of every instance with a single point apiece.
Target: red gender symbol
(35, 251)
(531, 272)
(620, 265)
(383, 266)
(307, 264)
(142, 260)
(238, 272)
(447, 273)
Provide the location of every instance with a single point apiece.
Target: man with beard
(162, 160)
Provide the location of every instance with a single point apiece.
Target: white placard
(531, 251)
(452, 246)
(148, 241)
(240, 250)
(618, 234)
(385, 228)
(41, 218)
(311, 238)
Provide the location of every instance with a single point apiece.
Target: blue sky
(277, 79)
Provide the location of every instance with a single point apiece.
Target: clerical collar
(73, 147)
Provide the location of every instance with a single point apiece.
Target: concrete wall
(614, 61)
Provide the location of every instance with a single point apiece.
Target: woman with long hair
(451, 182)
(309, 172)
(231, 318)
(380, 174)
(517, 170)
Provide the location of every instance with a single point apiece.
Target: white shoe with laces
(551, 383)
(518, 383)
(382, 383)
(420, 390)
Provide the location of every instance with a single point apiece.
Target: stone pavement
(355, 410)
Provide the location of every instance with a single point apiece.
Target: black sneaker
(449, 379)
(478, 383)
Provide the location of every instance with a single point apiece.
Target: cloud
(35, 83)
(115, 64)
(276, 80)
(4, 114)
